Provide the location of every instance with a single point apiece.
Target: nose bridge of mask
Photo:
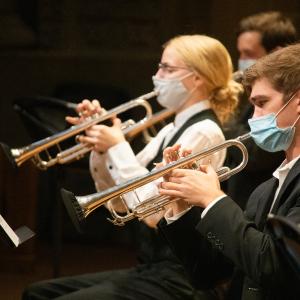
(166, 80)
(263, 121)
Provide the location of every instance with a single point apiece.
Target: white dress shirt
(281, 173)
(122, 164)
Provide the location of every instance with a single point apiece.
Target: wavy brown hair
(281, 68)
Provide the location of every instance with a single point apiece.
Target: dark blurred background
(70, 50)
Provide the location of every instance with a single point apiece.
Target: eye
(170, 69)
(260, 103)
(166, 68)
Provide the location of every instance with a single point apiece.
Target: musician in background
(194, 80)
(216, 235)
(257, 35)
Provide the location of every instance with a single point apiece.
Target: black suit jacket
(227, 238)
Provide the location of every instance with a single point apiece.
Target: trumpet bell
(73, 208)
(8, 154)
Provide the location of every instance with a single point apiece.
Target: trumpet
(80, 207)
(39, 152)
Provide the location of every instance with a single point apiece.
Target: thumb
(116, 122)
(204, 168)
(207, 169)
(72, 120)
(210, 169)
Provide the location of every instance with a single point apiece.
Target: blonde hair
(207, 57)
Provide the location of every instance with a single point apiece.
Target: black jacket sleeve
(252, 251)
(204, 263)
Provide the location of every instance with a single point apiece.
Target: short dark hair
(276, 30)
(281, 68)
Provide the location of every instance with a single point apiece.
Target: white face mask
(244, 64)
(172, 92)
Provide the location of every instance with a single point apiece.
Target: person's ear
(298, 101)
(198, 81)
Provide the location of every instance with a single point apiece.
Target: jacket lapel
(294, 172)
(265, 202)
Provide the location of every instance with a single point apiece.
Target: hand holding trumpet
(195, 187)
(101, 137)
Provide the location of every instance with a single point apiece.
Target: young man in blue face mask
(215, 234)
(257, 35)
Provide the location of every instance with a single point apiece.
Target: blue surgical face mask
(244, 64)
(172, 92)
(268, 136)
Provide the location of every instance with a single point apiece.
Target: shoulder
(206, 129)
(256, 197)
(153, 145)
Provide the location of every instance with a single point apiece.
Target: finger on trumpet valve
(77, 138)
(173, 155)
(194, 166)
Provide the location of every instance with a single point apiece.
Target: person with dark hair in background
(194, 79)
(257, 35)
(263, 33)
(216, 235)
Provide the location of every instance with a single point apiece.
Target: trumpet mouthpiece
(73, 208)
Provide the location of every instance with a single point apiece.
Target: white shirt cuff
(211, 204)
(121, 152)
(122, 164)
(170, 218)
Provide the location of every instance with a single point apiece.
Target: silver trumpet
(39, 152)
(79, 207)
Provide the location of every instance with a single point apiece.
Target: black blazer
(227, 239)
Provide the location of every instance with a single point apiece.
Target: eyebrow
(257, 98)
(166, 65)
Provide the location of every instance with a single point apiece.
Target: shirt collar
(184, 115)
(282, 171)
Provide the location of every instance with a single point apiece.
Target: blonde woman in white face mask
(193, 78)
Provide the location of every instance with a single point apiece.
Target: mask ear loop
(296, 121)
(285, 105)
(185, 76)
(190, 92)
(298, 116)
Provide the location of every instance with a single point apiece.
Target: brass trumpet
(79, 207)
(33, 151)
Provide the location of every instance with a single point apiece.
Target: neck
(193, 98)
(294, 149)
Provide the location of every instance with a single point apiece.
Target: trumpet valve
(127, 124)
